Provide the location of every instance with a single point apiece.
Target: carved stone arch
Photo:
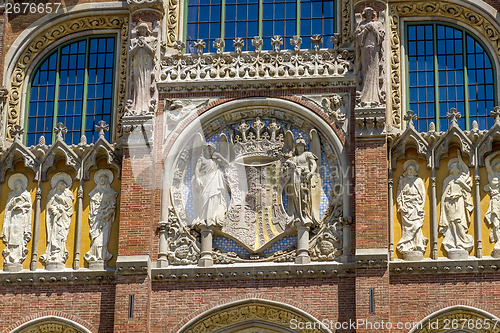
(48, 32)
(410, 138)
(51, 324)
(485, 146)
(441, 321)
(478, 17)
(214, 119)
(60, 151)
(101, 149)
(16, 152)
(454, 136)
(256, 314)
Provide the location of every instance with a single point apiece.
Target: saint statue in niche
(142, 53)
(456, 207)
(492, 215)
(410, 200)
(370, 35)
(210, 189)
(58, 219)
(101, 216)
(304, 184)
(16, 231)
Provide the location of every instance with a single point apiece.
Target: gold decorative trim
(172, 22)
(49, 327)
(425, 9)
(44, 40)
(253, 311)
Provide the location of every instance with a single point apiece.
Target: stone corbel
(136, 6)
(370, 122)
(138, 130)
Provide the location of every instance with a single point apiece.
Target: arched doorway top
(51, 324)
(257, 315)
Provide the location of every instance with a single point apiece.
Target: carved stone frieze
(183, 247)
(50, 35)
(179, 109)
(327, 244)
(183, 70)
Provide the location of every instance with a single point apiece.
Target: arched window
(228, 19)
(73, 85)
(447, 67)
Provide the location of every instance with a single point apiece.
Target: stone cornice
(444, 265)
(67, 276)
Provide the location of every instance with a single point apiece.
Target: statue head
(410, 168)
(18, 185)
(209, 149)
(300, 145)
(61, 185)
(103, 180)
(368, 13)
(143, 29)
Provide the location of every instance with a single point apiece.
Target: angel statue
(492, 215)
(456, 207)
(410, 200)
(209, 185)
(304, 184)
(16, 230)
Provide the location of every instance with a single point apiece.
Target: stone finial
(179, 46)
(432, 127)
(102, 128)
(296, 41)
(238, 44)
(453, 115)
(60, 130)
(316, 40)
(199, 45)
(257, 43)
(335, 39)
(41, 141)
(17, 132)
(219, 45)
(276, 42)
(496, 114)
(410, 116)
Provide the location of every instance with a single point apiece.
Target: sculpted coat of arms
(256, 185)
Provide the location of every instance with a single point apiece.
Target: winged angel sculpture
(239, 190)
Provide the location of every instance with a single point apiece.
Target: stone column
(206, 259)
(303, 244)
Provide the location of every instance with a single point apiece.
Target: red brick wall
(90, 305)
(174, 304)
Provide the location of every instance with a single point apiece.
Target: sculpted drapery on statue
(492, 215)
(58, 219)
(142, 61)
(410, 200)
(369, 39)
(16, 231)
(210, 187)
(101, 216)
(456, 207)
(304, 184)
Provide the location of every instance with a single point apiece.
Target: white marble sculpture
(101, 217)
(16, 231)
(210, 189)
(410, 200)
(142, 54)
(370, 35)
(58, 219)
(492, 215)
(456, 207)
(304, 190)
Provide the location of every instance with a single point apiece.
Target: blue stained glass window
(448, 68)
(73, 85)
(229, 19)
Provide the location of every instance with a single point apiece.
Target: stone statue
(456, 207)
(304, 184)
(410, 200)
(142, 55)
(492, 215)
(101, 216)
(210, 190)
(16, 231)
(58, 219)
(370, 35)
